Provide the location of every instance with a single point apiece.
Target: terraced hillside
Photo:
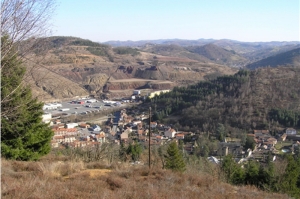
(69, 67)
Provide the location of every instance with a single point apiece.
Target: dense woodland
(262, 99)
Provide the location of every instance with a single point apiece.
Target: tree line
(265, 176)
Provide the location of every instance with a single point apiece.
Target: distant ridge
(186, 42)
(288, 58)
(218, 55)
(180, 42)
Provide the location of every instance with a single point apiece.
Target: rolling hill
(83, 65)
(289, 58)
(219, 55)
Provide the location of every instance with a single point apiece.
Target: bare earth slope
(78, 67)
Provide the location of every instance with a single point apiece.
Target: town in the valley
(89, 122)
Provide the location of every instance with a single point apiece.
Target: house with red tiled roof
(271, 141)
(179, 136)
(263, 137)
(64, 138)
(58, 126)
(59, 139)
(84, 125)
(100, 137)
(64, 131)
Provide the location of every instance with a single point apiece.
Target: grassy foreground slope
(59, 178)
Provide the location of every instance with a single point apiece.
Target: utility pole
(149, 135)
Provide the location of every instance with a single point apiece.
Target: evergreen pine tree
(174, 160)
(122, 152)
(290, 179)
(221, 132)
(135, 150)
(252, 173)
(23, 135)
(233, 172)
(250, 143)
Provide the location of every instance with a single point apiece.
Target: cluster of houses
(76, 135)
(127, 129)
(123, 128)
(264, 145)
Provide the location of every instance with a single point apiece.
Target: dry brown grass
(67, 179)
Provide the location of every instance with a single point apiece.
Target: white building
(96, 128)
(71, 125)
(91, 100)
(135, 123)
(46, 117)
(51, 106)
(170, 133)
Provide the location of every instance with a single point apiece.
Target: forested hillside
(262, 99)
(289, 58)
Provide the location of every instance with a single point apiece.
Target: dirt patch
(92, 173)
(174, 59)
(131, 80)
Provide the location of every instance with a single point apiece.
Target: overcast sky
(242, 20)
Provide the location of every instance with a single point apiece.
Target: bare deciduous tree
(22, 20)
